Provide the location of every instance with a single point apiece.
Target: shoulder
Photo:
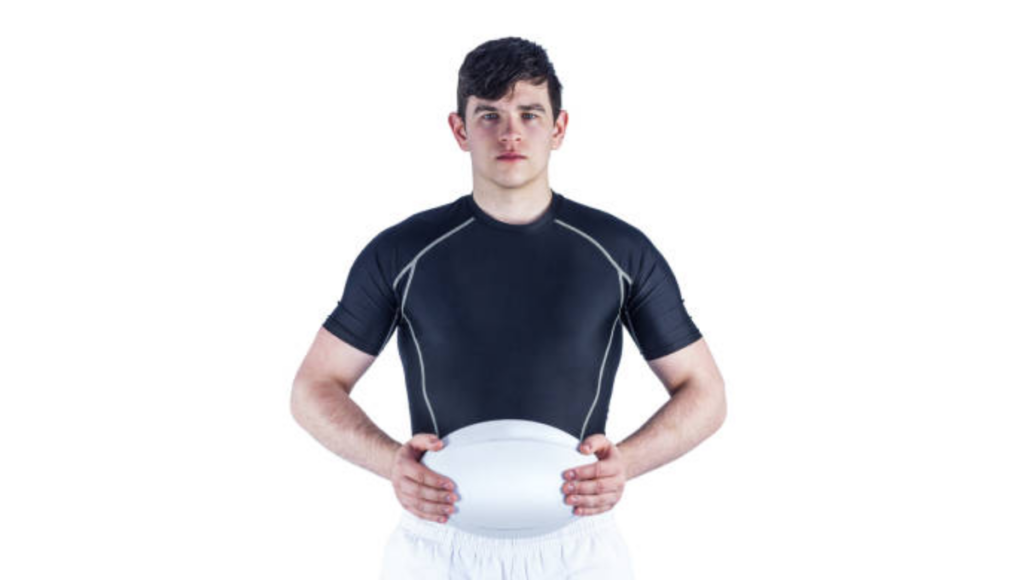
(398, 244)
(425, 226)
(600, 223)
(625, 242)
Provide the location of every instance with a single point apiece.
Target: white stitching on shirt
(394, 325)
(411, 268)
(600, 247)
(423, 375)
(412, 262)
(600, 374)
(622, 296)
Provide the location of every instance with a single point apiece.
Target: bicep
(332, 359)
(360, 324)
(691, 364)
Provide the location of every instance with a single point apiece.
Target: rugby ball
(508, 475)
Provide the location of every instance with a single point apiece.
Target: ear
(458, 130)
(558, 131)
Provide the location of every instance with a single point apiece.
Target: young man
(509, 305)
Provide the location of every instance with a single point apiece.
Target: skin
(514, 192)
(518, 193)
(695, 410)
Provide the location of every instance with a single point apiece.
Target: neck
(520, 205)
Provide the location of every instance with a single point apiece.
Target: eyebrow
(530, 107)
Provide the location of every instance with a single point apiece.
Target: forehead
(521, 94)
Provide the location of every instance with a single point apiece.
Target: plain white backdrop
(835, 185)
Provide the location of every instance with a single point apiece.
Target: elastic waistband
(451, 536)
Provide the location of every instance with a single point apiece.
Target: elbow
(297, 402)
(721, 409)
(715, 406)
(313, 398)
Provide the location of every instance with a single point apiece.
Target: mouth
(511, 157)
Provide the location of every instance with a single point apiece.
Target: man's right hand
(422, 492)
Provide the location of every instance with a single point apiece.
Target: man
(509, 303)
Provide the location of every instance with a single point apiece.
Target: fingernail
(571, 475)
(572, 487)
(586, 448)
(449, 485)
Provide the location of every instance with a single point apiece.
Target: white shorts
(589, 548)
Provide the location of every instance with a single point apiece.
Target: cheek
(483, 131)
(538, 134)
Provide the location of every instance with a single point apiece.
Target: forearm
(690, 416)
(328, 413)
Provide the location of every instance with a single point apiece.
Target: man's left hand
(596, 487)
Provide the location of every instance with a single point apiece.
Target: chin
(513, 181)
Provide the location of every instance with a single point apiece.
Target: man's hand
(596, 487)
(421, 491)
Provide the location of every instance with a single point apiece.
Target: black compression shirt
(507, 321)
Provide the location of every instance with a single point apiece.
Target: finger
(600, 446)
(594, 443)
(594, 486)
(602, 468)
(426, 506)
(581, 511)
(424, 476)
(423, 509)
(425, 442)
(428, 517)
(414, 489)
(593, 501)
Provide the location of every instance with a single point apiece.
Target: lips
(511, 156)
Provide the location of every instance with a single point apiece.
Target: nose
(510, 132)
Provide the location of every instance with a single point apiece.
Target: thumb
(426, 442)
(594, 443)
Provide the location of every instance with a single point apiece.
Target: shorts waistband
(450, 536)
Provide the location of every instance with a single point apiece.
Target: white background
(185, 185)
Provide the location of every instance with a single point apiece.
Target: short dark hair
(490, 71)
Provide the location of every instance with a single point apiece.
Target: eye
(489, 115)
(530, 114)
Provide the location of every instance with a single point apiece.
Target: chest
(546, 291)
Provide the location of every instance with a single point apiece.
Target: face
(520, 124)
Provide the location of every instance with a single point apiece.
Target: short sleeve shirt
(511, 321)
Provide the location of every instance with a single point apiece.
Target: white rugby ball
(508, 475)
